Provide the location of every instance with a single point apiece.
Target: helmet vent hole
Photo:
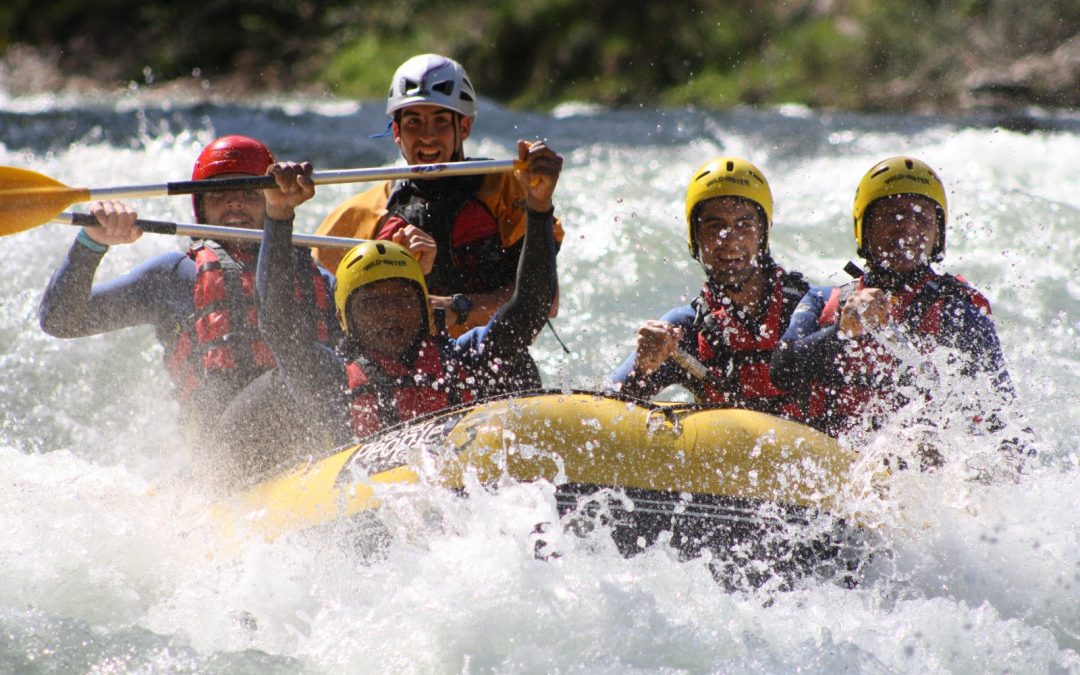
(879, 172)
(909, 164)
(730, 166)
(445, 88)
(381, 249)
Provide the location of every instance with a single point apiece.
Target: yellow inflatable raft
(711, 477)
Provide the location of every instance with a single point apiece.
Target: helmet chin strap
(459, 144)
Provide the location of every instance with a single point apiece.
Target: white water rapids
(105, 565)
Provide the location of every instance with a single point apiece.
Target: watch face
(461, 304)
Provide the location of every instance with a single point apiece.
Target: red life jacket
(866, 369)
(222, 341)
(738, 355)
(384, 392)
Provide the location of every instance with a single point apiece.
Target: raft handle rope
(668, 415)
(557, 338)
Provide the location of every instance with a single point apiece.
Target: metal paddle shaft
(319, 178)
(216, 232)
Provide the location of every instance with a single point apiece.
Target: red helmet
(230, 154)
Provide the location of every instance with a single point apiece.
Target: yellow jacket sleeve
(505, 197)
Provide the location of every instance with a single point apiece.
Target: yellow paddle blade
(29, 199)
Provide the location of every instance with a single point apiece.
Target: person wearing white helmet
(477, 221)
(393, 364)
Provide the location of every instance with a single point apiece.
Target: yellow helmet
(727, 177)
(900, 176)
(374, 261)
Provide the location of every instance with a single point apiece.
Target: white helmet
(435, 80)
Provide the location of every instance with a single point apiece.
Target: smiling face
(235, 208)
(387, 317)
(430, 134)
(729, 234)
(901, 232)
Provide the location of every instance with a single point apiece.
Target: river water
(106, 564)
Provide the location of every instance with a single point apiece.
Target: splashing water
(109, 563)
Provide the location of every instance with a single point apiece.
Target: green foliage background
(856, 54)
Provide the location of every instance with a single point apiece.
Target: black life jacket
(463, 226)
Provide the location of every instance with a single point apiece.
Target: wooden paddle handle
(696, 368)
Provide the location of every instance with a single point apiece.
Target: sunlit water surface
(106, 564)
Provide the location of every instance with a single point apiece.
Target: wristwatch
(461, 304)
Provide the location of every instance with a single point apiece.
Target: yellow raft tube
(713, 477)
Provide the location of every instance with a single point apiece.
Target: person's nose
(724, 235)
(910, 224)
(427, 131)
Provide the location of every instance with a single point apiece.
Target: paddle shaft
(696, 368)
(187, 187)
(215, 232)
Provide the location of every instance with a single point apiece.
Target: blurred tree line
(857, 54)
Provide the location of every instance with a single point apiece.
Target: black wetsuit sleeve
(970, 330)
(314, 374)
(73, 307)
(517, 323)
(625, 381)
(808, 352)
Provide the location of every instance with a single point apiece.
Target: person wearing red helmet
(202, 304)
(478, 222)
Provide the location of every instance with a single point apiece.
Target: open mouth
(428, 156)
(729, 261)
(237, 220)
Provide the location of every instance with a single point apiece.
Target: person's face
(430, 134)
(729, 235)
(901, 232)
(387, 317)
(234, 208)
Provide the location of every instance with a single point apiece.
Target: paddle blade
(29, 199)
